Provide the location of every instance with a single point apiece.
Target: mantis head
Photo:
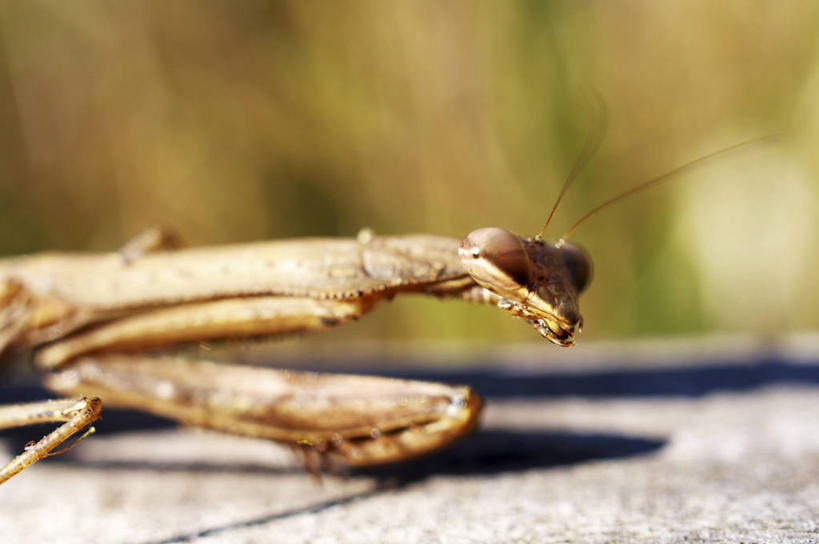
(536, 281)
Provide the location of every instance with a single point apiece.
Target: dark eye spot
(505, 258)
(578, 264)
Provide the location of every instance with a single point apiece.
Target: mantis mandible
(91, 317)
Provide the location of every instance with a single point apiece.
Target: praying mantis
(96, 321)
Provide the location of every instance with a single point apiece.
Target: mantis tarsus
(90, 318)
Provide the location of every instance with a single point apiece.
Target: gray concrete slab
(660, 442)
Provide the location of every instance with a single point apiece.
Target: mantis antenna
(598, 128)
(664, 177)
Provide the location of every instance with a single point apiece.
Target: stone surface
(660, 442)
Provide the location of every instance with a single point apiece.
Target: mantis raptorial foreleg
(361, 419)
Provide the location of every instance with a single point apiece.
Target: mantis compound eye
(578, 263)
(496, 259)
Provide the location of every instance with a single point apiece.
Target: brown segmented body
(91, 319)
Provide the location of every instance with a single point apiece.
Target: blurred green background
(235, 121)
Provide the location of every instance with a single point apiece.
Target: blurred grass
(233, 121)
